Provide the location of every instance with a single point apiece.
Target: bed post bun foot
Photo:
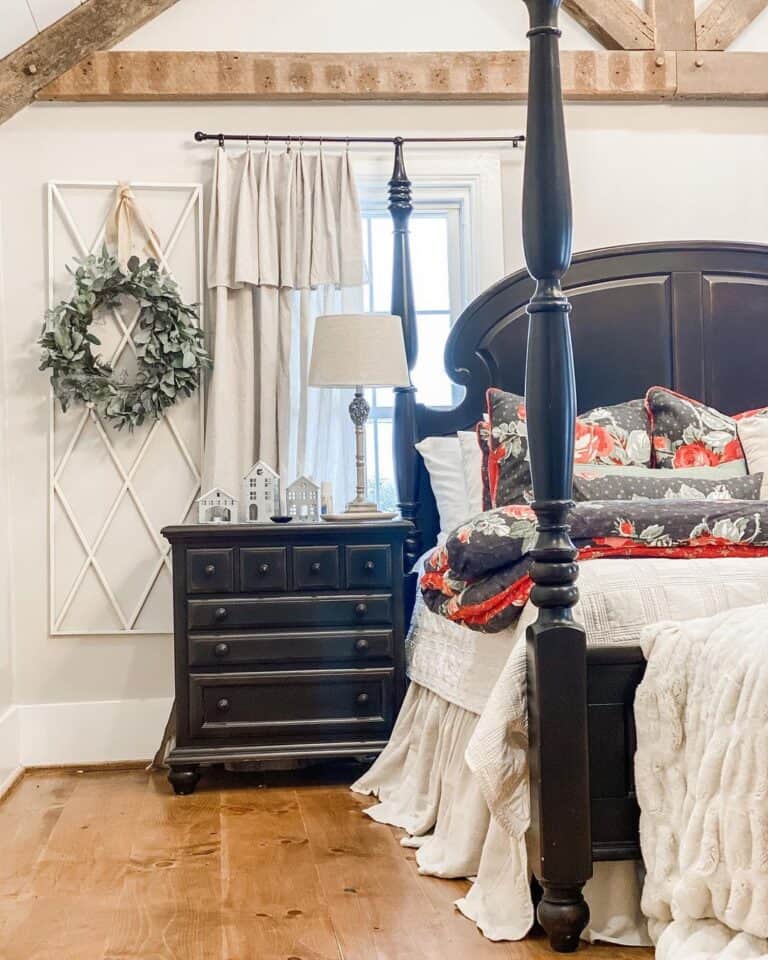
(563, 914)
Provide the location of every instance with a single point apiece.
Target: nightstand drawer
(210, 571)
(316, 568)
(305, 704)
(353, 646)
(346, 611)
(263, 569)
(369, 566)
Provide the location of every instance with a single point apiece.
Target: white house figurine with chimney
(261, 493)
(302, 499)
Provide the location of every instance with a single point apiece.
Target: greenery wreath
(170, 349)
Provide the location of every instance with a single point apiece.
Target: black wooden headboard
(689, 315)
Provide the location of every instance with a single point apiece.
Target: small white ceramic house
(217, 506)
(302, 499)
(261, 494)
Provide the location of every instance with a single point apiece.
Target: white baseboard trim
(101, 731)
(10, 754)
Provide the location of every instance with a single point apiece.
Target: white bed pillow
(753, 433)
(449, 469)
(442, 458)
(472, 459)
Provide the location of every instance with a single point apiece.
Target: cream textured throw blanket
(702, 784)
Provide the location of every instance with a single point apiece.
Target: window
(439, 281)
(457, 249)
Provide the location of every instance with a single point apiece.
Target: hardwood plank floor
(111, 866)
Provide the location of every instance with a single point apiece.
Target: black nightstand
(288, 641)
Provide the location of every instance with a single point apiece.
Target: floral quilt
(481, 576)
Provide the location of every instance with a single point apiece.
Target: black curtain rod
(267, 138)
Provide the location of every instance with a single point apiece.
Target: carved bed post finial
(556, 646)
(404, 413)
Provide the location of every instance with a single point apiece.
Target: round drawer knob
(362, 698)
(221, 613)
(221, 650)
(361, 645)
(369, 566)
(361, 609)
(263, 568)
(315, 566)
(210, 569)
(222, 704)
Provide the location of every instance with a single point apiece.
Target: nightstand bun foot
(184, 779)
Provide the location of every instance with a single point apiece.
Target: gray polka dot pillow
(670, 486)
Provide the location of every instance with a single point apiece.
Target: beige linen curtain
(284, 246)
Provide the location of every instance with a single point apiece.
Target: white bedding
(485, 674)
(702, 782)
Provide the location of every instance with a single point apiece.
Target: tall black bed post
(404, 414)
(556, 645)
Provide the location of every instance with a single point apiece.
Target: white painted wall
(9, 739)
(648, 172)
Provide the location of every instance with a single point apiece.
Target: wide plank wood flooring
(111, 866)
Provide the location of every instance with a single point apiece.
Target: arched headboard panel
(688, 315)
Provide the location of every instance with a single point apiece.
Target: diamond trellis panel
(111, 492)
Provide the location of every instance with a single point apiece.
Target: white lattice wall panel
(111, 492)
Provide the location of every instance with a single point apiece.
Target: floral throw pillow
(687, 433)
(668, 486)
(617, 435)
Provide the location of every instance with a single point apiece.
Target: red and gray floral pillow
(687, 433)
(617, 436)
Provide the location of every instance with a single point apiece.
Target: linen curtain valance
(284, 245)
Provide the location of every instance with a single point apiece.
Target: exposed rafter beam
(675, 22)
(93, 25)
(265, 77)
(617, 24)
(722, 76)
(723, 20)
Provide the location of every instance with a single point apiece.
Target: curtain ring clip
(266, 143)
(288, 144)
(221, 141)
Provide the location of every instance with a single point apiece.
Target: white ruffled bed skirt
(426, 788)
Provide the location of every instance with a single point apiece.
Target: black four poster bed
(690, 316)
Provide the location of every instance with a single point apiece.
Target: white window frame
(468, 186)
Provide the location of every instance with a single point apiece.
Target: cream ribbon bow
(127, 231)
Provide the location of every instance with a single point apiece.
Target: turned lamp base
(359, 509)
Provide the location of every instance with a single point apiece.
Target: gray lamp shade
(358, 348)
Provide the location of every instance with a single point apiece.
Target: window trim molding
(473, 179)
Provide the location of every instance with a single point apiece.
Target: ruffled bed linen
(702, 785)
(448, 764)
(426, 788)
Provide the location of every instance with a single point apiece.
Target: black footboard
(613, 674)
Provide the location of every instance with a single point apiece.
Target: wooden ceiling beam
(92, 25)
(617, 24)
(675, 24)
(722, 76)
(270, 77)
(723, 20)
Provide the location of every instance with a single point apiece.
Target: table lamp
(359, 350)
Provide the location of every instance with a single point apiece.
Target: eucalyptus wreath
(170, 350)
